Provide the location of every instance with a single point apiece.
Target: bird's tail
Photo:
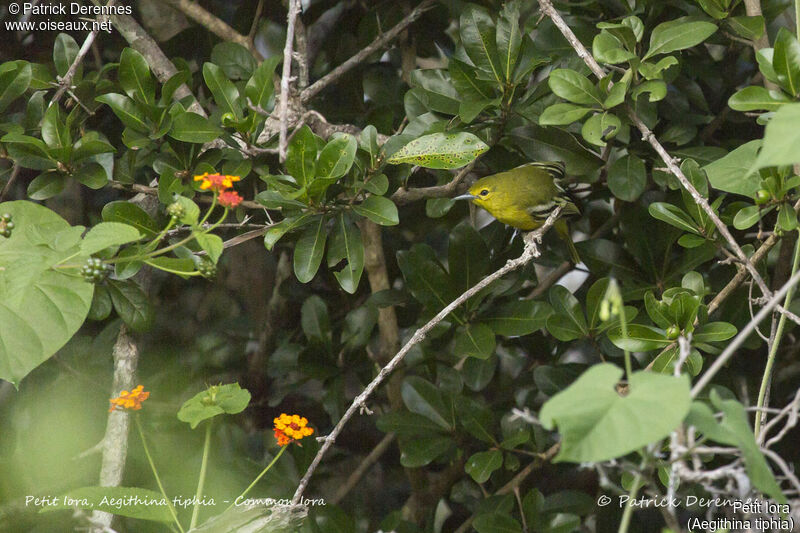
(563, 231)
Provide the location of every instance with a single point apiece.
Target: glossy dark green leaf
(627, 178)
(467, 256)
(422, 450)
(573, 86)
(135, 78)
(496, 523)
(672, 215)
(128, 111)
(193, 128)
(28, 152)
(755, 98)
(600, 128)
(424, 398)
(474, 340)
(235, 60)
(130, 214)
(509, 39)
(132, 305)
(260, 86)
(337, 157)
(678, 34)
(751, 28)
(562, 114)
(564, 303)
(65, 51)
(346, 244)
(425, 277)
(478, 35)
(714, 332)
(640, 338)
(786, 61)
(315, 320)
(606, 48)
(517, 318)
(378, 209)
(309, 250)
(226, 95)
(13, 84)
(732, 172)
(407, 424)
(91, 174)
(440, 150)
(481, 465)
(478, 373)
(301, 156)
(46, 185)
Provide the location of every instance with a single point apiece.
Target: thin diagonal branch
(214, 24)
(404, 196)
(381, 41)
(530, 251)
(647, 135)
(283, 106)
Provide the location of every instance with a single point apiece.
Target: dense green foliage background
(354, 242)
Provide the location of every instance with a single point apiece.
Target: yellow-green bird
(524, 197)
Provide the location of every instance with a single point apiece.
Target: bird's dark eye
(484, 192)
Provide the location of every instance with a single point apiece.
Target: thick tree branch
(404, 196)
(283, 105)
(530, 251)
(214, 24)
(363, 54)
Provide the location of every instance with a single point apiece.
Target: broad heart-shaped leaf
(259, 87)
(193, 128)
(735, 430)
(127, 111)
(627, 178)
(130, 214)
(781, 138)
(108, 234)
(214, 401)
(678, 34)
(479, 39)
(481, 465)
(337, 157)
(135, 78)
(134, 502)
(301, 156)
(440, 150)
(474, 340)
(731, 172)
(226, 95)
(597, 424)
(13, 84)
(41, 308)
(573, 86)
(786, 61)
(517, 318)
(309, 250)
(424, 398)
(640, 338)
(378, 209)
(755, 98)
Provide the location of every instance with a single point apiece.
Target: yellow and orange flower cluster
(129, 400)
(220, 183)
(290, 428)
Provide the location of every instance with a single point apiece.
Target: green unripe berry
(6, 217)
(176, 210)
(762, 197)
(673, 332)
(9, 225)
(228, 119)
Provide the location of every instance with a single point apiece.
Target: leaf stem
(773, 350)
(155, 473)
(202, 479)
(257, 479)
(628, 512)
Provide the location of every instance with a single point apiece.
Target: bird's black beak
(465, 197)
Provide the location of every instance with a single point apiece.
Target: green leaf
(275, 232)
(478, 36)
(28, 152)
(127, 111)
(260, 86)
(435, 89)
(41, 307)
(86, 148)
(226, 95)
(481, 465)
(133, 502)
(600, 128)
(756, 98)
(467, 256)
(46, 185)
(132, 305)
(657, 90)
(301, 156)
(478, 373)
(178, 266)
(235, 60)
(346, 244)
(787, 218)
(654, 71)
(562, 114)
(101, 304)
(108, 234)
(781, 138)
(130, 214)
(751, 28)
(425, 277)
(606, 48)
(509, 39)
(13, 84)
(216, 400)
(337, 157)
(627, 178)
(440, 150)
(315, 321)
(517, 318)
(597, 424)
(474, 340)
(135, 78)
(65, 51)
(496, 523)
(92, 174)
(378, 209)
(786, 61)
(421, 450)
(191, 212)
(424, 398)
(640, 338)
(406, 424)
(573, 86)
(309, 250)
(731, 173)
(193, 128)
(212, 244)
(678, 34)
(564, 303)
(714, 332)
(672, 215)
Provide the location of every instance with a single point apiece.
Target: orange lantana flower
(129, 400)
(290, 428)
(229, 198)
(217, 182)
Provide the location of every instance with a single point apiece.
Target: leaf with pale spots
(441, 150)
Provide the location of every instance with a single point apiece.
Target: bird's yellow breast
(512, 214)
